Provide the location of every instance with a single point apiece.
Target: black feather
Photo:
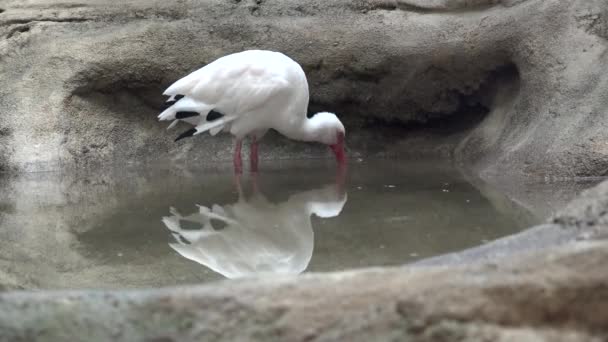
(168, 104)
(186, 134)
(183, 115)
(213, 115)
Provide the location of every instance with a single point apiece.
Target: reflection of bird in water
(254, 236)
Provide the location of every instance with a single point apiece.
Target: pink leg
(253, 155)
(238, 162)
(341, 174)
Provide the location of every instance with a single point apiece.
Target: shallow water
(155, 226)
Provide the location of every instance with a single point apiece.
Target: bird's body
(246, 94)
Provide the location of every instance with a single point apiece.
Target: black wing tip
(186, 134)
(214, 115)
(168, 104)
(176, 98)
(184, 115)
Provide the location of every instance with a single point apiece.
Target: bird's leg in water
(238, 162)
(237, 184)
(254, 183)
(253, 154)
(341, 173)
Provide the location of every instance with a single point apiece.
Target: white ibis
(256, 236)
(246, 94)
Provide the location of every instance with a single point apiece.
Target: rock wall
(506, 87)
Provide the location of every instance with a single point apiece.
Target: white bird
(246, 94)
(257, 237)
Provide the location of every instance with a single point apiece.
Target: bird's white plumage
(237, 83)
(246, 94)
(256, 90)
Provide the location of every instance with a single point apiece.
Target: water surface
(156, 226)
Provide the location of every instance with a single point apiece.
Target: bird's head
(330, 131)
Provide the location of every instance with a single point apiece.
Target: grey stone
(543, 297)
(81, 80)
(504, 87)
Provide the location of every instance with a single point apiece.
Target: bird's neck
(304, 129)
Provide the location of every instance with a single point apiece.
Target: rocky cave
(509, 91)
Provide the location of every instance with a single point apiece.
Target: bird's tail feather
(196, 113)
(215, 126)
(173, 123)
(185, 104)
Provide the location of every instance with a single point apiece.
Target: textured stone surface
(80, 81)
(554, 293)
(81, 78)
(545, 297)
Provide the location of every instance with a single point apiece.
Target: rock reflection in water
(254, 236)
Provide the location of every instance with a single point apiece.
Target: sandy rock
(537, 298)
(508, 87)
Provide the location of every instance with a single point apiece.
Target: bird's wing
(233, 82)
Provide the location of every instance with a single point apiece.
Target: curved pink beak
(338, 149)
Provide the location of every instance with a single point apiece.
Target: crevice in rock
(349, 73)
(427, 7)
(5, 133)
(43, 20)
(131, 99)
(472, 109)
(127, 106)
(467, 116)
(594, 22)
(17, 30)
(106, 82)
